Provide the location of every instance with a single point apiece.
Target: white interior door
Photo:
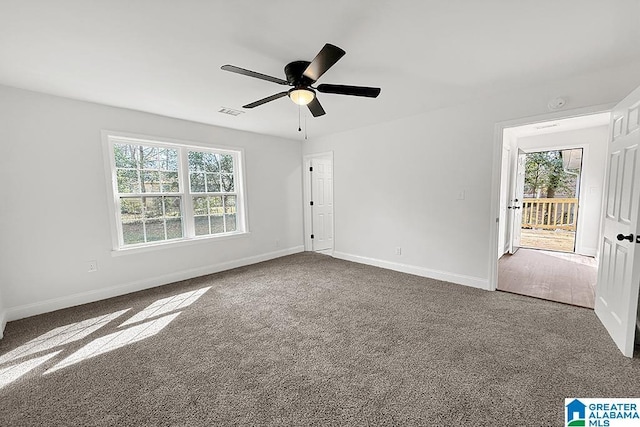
(619, 271)
(515, 205)
(322, 203)
(504, 235)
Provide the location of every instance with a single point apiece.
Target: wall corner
(3, 322)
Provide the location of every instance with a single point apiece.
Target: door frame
(306, 199)
(497, 168)
(516, 191)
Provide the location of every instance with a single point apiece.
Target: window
(212, 182)
(165, 191)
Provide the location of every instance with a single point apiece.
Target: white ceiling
(164, 57)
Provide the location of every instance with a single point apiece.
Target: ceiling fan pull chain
(299, 128)
(305, 127)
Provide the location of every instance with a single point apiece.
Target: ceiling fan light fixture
(302, 96)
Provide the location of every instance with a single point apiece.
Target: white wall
(594, 143)
(397, 183)
(54, 215)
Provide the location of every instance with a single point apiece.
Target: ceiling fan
(301, 75)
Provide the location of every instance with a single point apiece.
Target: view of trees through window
(152, 201)
(545, 176)
(154, 171)
(212, 174)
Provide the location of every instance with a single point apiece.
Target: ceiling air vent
(230, 111)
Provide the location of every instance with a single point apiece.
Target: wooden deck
(552, 240)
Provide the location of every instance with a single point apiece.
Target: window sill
(176, 244)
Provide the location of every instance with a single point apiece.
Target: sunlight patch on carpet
(61, 336)
(12, 373)
(166, 305)
(116, 340)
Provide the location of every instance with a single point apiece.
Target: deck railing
(551, 214)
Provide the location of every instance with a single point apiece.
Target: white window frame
(110, 138)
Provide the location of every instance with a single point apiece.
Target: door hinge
(311, 203)
(312, 236)
(311, 169)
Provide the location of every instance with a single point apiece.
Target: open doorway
(550, 206)
(551, 199)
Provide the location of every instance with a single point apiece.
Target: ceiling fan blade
(370, 92)
(254, 74)
(315, 108)
(324, 60)
(265, 100)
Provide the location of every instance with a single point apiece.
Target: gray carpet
(310, 340)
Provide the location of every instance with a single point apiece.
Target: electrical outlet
(92, 266)
(398, 250)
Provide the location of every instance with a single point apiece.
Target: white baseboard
(586, 251)
(460, 279)
(27, 310)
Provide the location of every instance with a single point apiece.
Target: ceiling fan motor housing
(294, 70)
